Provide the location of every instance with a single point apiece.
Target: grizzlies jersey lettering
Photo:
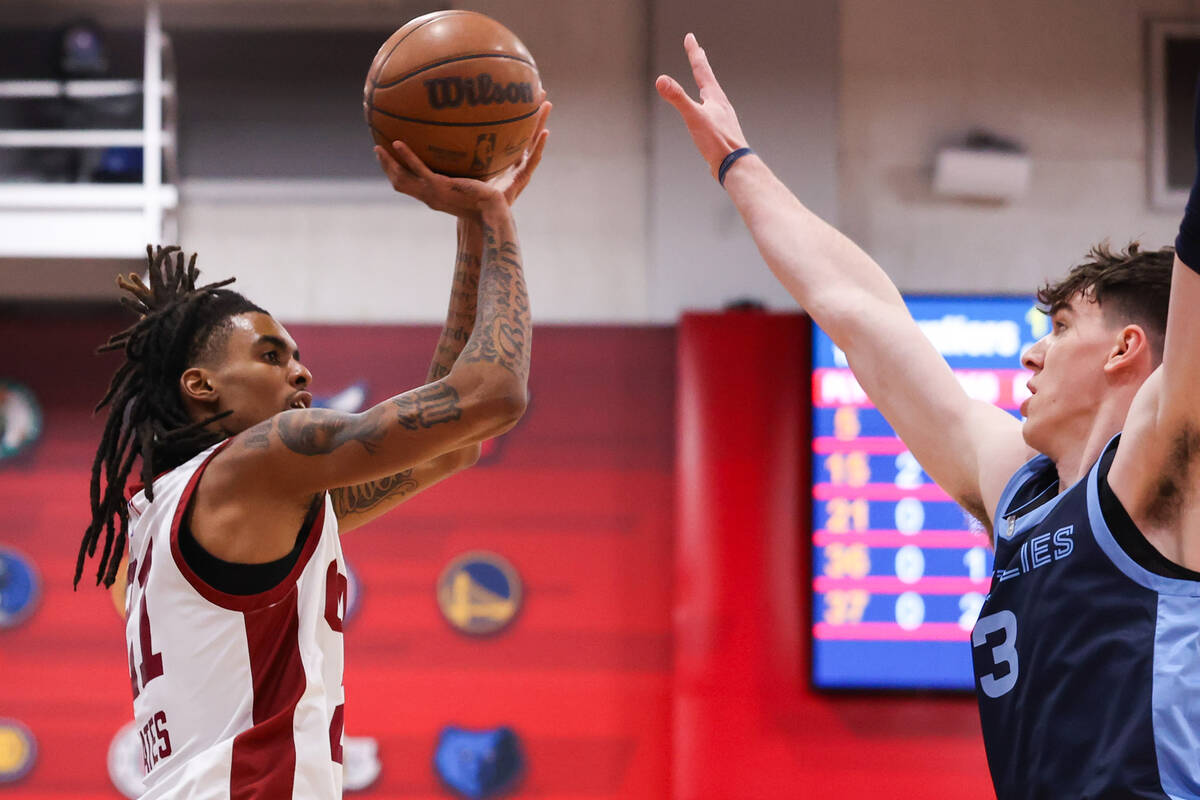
(236, 697)
(1087, 665)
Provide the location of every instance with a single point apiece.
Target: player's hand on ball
(514, 180)
(712, 122)
(462, 197)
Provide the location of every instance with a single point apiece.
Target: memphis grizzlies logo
(19, 588)
(18, 751)
(479, 593)
(20, 419)
(479, 764)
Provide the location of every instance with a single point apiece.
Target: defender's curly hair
(178, 325)
(1131, 285)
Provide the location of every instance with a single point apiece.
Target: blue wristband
(1187, 243)
(728, 162)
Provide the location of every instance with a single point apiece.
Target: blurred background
(628, 596)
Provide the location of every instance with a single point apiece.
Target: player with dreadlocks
(236, 582)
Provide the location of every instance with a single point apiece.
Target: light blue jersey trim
(1175, 693)
(1175, 696)
(1120, 559)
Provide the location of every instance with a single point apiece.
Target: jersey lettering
(1003, 652)
(156, 741)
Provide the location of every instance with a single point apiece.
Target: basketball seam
(442, 63)
(476, 124)
(382, 64)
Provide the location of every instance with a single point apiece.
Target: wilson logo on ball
(478, 91)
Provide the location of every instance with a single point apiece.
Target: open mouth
(301, 400)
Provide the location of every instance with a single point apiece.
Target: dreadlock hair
(1131, 286)
(178, 325)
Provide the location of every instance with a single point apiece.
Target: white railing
(97, 220)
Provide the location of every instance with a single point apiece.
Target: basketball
(459, 89)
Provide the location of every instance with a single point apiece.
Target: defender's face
(1068, 380)
(260, 373)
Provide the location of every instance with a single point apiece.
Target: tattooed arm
(359, 504)
(256, 491)
(356, 505)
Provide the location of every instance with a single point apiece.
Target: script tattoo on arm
(428, 406)
(318, 432)
(460, 317)
(502, 331)
(364, 496)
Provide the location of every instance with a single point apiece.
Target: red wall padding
(746, 724)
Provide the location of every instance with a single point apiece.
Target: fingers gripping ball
(459, 89)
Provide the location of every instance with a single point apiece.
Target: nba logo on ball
(479, 593)
(18, 750)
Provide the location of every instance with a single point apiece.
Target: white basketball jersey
(236, 697)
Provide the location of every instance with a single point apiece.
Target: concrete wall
(1066, 79)
(848, 100)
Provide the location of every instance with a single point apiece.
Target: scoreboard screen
(900, 571)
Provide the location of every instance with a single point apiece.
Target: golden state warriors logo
(18, 750)
(479, 593)
(20, 419)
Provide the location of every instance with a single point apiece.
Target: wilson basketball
(459, 89)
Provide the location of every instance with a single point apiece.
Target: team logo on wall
(126, 767)
(348, 400)
(479, 593)
(20, 419)
(479, 764)
(19, 588)
(353, 594)
(18, 751)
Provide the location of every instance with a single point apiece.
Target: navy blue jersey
(1087, 664)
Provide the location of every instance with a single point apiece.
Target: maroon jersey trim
(235, 602)
(264, 756)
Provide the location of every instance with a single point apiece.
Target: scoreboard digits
(900, 571)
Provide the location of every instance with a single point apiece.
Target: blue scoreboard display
(900, 571)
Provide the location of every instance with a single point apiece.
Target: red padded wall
(746, 725)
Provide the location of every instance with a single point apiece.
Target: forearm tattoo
(460, 318)
(428, 406)
(317, 432)
(502, 330)
(365, 496)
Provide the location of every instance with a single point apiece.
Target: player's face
(1068, 382)
(260, 374)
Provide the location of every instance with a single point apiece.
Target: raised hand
(462, 197)
(712, 122)
(514, 179)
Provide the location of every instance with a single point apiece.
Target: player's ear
(196, 384)
(1132, 344)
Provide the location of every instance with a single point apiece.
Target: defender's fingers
(701, 69)
(670, 90)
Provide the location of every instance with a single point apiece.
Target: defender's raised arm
(855, 302)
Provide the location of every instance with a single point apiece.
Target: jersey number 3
(1004, 651)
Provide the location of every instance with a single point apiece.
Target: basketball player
(1087, 650)
(236, 583)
